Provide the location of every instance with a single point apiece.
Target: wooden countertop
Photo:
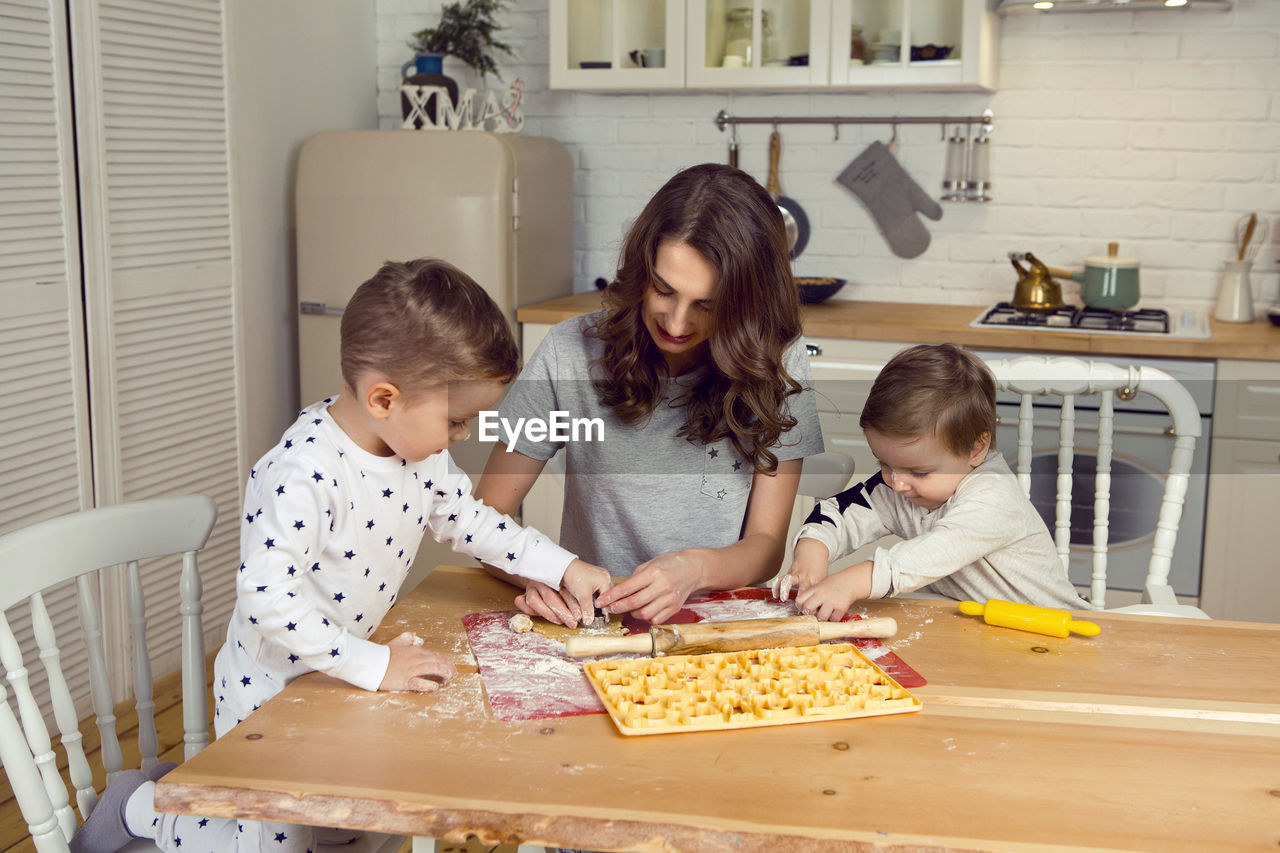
(1158, 734)
(916, 323)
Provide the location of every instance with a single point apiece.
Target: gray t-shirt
(640, 490)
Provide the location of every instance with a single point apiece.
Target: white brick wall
(1156, 129)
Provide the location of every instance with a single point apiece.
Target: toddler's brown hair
(424, 322)
(934, 389)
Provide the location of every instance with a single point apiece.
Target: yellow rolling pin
(1027, 617)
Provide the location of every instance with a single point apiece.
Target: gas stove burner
(1142, 320)
(1070, 318)
(1004, 314)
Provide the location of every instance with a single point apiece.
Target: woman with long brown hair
(697, 373)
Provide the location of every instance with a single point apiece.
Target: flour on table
(527, 676)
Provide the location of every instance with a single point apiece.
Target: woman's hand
(412, 667)
(831, 599)
(545, 602)
(659, 587)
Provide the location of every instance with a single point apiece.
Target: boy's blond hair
(934, 389)
(422, 323)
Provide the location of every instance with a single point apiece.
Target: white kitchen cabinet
(964, 30)
(760, 44)
(1241, 577)
(592, 43)
(760, 38)
(544, 505)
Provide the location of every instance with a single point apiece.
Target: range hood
(1010, 6)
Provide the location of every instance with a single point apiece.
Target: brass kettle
(1036, 290)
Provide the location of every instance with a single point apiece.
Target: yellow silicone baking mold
(737, 690)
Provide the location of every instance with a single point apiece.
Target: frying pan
(793, 215)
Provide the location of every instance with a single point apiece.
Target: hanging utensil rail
(985, 121)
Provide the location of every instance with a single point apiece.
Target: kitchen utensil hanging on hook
(733, 148)
(892, 198)
(793, 216)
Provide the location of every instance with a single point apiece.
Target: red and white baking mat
(529, 677)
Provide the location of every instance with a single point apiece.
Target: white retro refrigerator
(498, 206)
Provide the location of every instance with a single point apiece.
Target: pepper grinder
(978, 185)
(955, 175)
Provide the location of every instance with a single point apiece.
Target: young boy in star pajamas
(333, 516)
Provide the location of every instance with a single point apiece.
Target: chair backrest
(825, 474)
(80, 546)
(1036, 378)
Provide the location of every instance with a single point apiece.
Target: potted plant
(466, 30)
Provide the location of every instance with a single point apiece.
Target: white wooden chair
(825, 474)
(1035, 378)
(80, 546)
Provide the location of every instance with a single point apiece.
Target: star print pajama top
(986, 541)
(642, 489)
(328, 534)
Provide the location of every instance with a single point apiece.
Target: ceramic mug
(423, 63)
(650, 57)
(1109, 282)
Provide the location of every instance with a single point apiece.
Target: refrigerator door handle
(319, 308)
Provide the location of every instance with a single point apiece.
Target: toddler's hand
(830, 599)
(414, 668)
(808, 567)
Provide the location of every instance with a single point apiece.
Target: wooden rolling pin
(698, 637)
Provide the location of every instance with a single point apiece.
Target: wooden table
(1158, 734)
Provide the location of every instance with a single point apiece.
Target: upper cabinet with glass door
(617, 44)
(758, 44)
(942, 44)
(642, 45)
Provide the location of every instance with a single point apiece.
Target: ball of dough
(520, 623)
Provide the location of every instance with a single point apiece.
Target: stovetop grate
(1143, 320)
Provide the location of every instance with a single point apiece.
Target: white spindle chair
(825, 474)
(1039, 377)
(80, 546)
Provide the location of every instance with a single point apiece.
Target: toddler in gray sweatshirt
(969, 531)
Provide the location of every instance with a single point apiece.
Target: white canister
(1235, 293)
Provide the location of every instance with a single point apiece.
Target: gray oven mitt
(892, 198)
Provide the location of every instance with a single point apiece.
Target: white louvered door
(158, 330)
(151, 124)
(44, 402)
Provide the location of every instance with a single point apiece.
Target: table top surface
(1158, 734)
